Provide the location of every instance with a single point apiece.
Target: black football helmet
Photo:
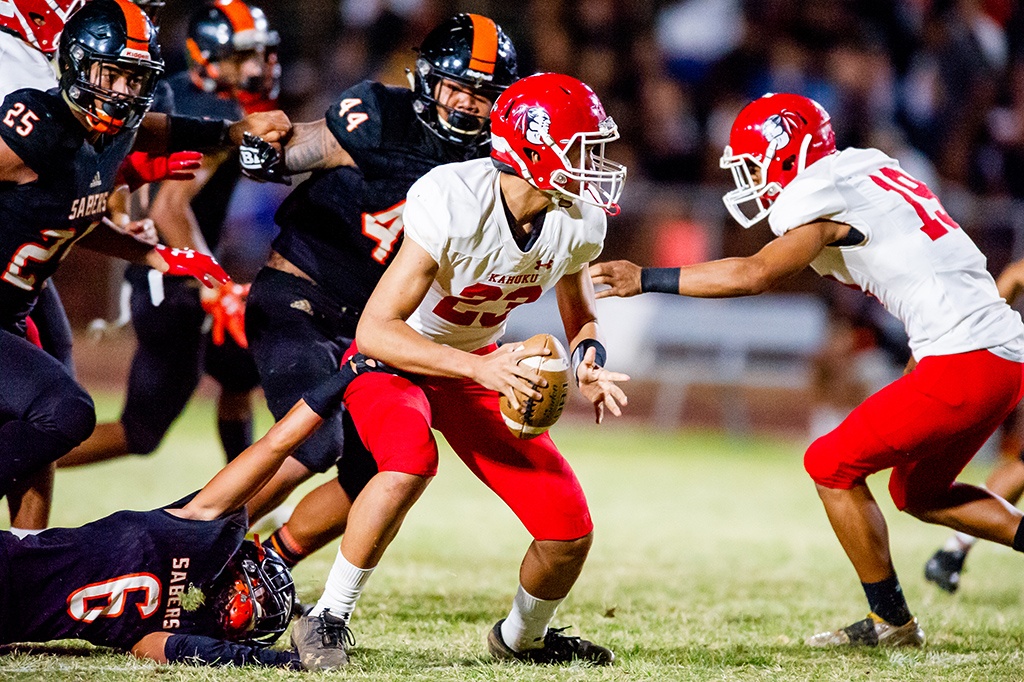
(471, 50)
(221, 29)
(254, 595)
(103, 36)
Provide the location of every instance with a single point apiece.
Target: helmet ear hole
(532, 155)
(789, 163)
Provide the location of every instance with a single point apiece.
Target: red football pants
(394, 416)
(926, 426)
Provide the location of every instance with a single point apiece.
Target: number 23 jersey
(456, 213)
(914, 259)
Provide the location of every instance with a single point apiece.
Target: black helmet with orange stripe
(109, 62)
(231, 30)
(152, 8)
(473, 52)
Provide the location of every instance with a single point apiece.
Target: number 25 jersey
(40, 220)
(915, 259)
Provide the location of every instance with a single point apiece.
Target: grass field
(712, 561)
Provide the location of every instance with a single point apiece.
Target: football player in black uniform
(341, 228)
(183, 585)
(60, 152)
(232, 66)
(26, 50)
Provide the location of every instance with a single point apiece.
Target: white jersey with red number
(455, 212)
(915, 259)
(23, 66)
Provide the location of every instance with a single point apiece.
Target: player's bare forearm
(235, 484)
(312, 146)
(12, 168)
(171, 209)
(577, 306)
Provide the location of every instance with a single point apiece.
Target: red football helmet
(772, 140)
(38, 22)
(551, 130)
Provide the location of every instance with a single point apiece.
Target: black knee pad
(65, 411)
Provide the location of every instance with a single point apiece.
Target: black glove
(260, 161)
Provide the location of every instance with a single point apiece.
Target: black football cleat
(944, 569)
(558, 648)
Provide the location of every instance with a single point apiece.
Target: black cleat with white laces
(944, 569)
(558, 648)
(321, 640)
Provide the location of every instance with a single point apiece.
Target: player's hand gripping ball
(540, 415)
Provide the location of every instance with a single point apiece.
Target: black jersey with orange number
(115, 580)
(343, 226)
(40, 220)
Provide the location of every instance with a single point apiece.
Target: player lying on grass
(856, 216)
(175, 584)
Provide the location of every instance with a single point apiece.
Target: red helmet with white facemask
(773, 139)
(551, 130)
(37, 22)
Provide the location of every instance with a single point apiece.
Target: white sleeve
(427, 217)
(804, 201)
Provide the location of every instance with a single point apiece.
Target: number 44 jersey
(914, 258)
(343, 226)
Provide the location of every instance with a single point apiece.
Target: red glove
(141, 168)
(188, 262)
(227, 309)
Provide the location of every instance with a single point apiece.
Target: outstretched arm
(165, 647)
(312, 146)
(730, 277)
(242, 478)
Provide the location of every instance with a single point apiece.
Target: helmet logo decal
(774, 131)
(538, 122)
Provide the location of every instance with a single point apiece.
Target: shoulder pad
(39, 127)
(363, 117)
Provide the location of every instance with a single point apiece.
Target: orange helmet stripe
(238, 14)
(137, 25)
(485, 44)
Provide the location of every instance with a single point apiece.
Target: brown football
(540, 415)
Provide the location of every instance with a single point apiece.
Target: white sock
(22, 532)
(527, 622)
(959, 542)
(345, 583)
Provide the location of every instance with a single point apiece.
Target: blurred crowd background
(939, 84)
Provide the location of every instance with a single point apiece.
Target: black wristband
(580, 351)
(197, 134)
(664, 280)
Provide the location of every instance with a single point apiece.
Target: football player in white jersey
(857, 217)
(481, 238)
